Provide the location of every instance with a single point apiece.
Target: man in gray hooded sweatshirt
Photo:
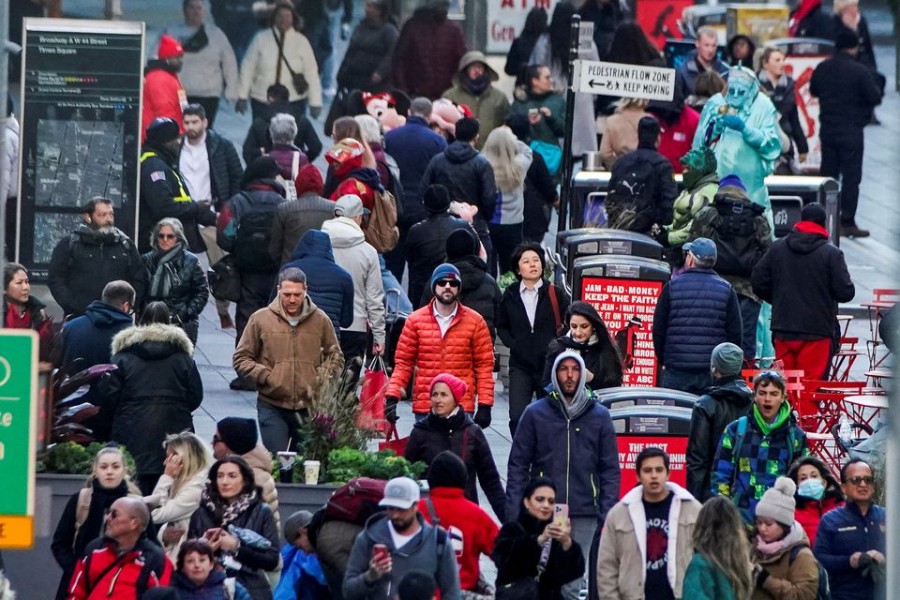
(569, 437)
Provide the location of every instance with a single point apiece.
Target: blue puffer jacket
(578, 452)
(696, 311)
(329, 285)
(842, 532)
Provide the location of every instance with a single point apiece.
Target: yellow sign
(16, 533)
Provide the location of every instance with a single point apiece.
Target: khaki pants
(214, 254)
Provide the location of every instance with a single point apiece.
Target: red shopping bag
(371, 397)
(393, 441)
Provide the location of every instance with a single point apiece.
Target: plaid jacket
(747, 462)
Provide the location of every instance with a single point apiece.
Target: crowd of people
(435, 177)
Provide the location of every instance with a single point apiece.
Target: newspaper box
(624, 290)
(620, 397)
(639, 427)
(588, 242)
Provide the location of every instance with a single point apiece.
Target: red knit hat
(169, 47)
(457, 386)
(309, 179)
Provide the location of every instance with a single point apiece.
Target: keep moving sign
(626, 81)
(81, 115)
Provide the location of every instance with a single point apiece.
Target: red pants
(810, 356)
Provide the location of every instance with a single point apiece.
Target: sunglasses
(445, 282)
(771, 375)
(166, 236)
(857, 481)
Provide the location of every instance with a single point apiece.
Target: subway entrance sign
(18, 435)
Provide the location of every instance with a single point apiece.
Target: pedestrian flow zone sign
(18, 433)
(626, 81)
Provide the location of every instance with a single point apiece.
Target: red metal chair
(882, 300)
(844, 358)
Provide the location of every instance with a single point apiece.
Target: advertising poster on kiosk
(626, 306)
(505, 19)
(632, 445)
(81, 105)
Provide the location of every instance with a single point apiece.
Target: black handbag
(526, 588)
(196, 42)
(225, 280)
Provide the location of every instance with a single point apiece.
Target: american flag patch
(158, 176)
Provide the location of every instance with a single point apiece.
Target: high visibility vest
(183, 195)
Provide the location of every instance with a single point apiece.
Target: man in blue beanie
(444, 337)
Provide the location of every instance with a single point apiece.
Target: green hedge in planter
(346, 463)
(75, 459)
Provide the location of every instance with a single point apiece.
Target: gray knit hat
(727, 359)
(778, 502)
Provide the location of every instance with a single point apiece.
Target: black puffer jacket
(426, 248)
(728, 400)
(517, 553)
(258, 141)
(153, 392)
(460, 435)
(370, 51)
(528, 345)
(225, 169)
(85, 261)
(804, 277)
(257, 517)
(785, 101)
(189, 292)
(600, 355)
(847, 93)
(469, 177)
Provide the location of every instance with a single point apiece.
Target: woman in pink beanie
(448, 427)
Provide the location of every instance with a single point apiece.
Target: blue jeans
(693, 382)
(279, 427)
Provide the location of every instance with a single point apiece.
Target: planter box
(297, 496)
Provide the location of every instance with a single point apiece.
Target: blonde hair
(840, 5)
(195, 455)
(501, 149)
(369, 128)
(623, 103)
(132, 488)
(720, 537)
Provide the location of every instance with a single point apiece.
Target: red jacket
(463, 519)
(809, 512)
(163, 97)
(676, 139)
(118, 583)
(466, 352)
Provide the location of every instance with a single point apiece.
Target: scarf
(476, 86)
(226, 513)
(14, 320)
(784, 413)
(165, 277)
(794, 536)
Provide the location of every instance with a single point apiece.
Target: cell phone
(560, 514)
(380, 552)
(532, 112)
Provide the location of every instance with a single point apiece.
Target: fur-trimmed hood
(152, 342)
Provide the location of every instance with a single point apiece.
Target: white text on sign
(627, 81)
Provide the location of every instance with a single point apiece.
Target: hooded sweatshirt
(572, 442)
(90, 335)
(359, 258)
(469, 177)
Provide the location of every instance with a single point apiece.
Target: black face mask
(690, 178)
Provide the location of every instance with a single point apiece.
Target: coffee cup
(311, 471)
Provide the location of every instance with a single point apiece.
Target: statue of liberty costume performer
(742, 129)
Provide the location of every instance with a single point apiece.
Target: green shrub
(74, 459)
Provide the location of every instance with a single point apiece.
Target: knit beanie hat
(727, 359)
(169, 47)
(778, 502)
(238, 434)
(732, 180)
(161, 131)
(309, 179)
(447, 470)
(461, 243)
(444, 271)
(814, 212)
(457, 386)
(436, 198)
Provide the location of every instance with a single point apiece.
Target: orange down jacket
(466, 352)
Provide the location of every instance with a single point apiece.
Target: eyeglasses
(445, 282)
(857, 481)
(166, 236)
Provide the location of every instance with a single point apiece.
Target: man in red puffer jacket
(471, 529)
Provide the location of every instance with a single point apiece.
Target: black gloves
(390, 409)
(482, 417)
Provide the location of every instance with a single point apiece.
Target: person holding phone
(646, 544)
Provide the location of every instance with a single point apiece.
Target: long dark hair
(246, 474)
(630, 46)
(535, 23)
(832, 487)
(560, 32)
(533, 485)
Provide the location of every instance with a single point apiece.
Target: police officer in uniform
(163, 189)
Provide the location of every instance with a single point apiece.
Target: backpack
(823, 592)
(734, 232)
(82, 508)
(380, 228)
(355, 501)
(629, 204)
(251, 241)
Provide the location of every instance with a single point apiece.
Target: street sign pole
(570, 120)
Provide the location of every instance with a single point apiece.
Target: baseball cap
(702, 248)
(400, 492)
(349, 205)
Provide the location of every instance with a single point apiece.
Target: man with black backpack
(642, 187)
(742, 236)
(123, 563)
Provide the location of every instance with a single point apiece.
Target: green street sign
(18, 435)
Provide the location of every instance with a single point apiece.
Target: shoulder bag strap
(544, 559)
(554, 302)
(280, 41)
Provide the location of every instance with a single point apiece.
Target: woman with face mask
(817, 493)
